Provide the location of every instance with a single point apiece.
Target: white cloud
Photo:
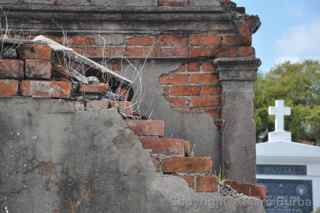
(300, 42)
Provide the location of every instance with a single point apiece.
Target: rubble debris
(43, 62)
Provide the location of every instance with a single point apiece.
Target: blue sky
(290, 30)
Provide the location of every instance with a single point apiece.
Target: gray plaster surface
(56, 158)
(239, 133)
(198, 128)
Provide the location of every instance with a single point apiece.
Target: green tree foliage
(299, 85)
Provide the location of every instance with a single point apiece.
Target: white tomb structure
(291, 171)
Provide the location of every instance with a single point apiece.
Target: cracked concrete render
(55, 157)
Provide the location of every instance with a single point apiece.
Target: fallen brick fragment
(11, 68)
(8, 88)
(52, 89)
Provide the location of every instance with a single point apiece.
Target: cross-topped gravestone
(279, 111)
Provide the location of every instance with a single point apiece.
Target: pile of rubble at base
(43, 68)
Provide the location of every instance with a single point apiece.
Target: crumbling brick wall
(200, 68)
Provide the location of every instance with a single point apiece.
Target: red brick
(147, 127)
(187, 165)
(205, 39)
(194, 67)
(35, 51)
(53, 89)
(245, 30)
(207, 184)
(235, 40)
(166, 146)
(239, 187)
(8, 88)
(140, 52)
(94, 52)
(100, 88)
(178, 102)
(208, 67)
(38, 69)
(81, 40)
(259, 191)
(204, 78)
(173, 3)
(124, 106)
(172, 52)
(236, 52)
(205, 101)
(210, 90)
(141, 40)
(117, 52)
(246, 51)
(11, 68)
(184, 91)
(173, 41)
(174, 78)
(200, 52)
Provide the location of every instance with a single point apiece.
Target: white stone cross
(279, 111)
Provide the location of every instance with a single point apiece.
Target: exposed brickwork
(187, 165)
(35, 51)
(207, 184)
(166, 146)
(100, 88)
(165, 45)
(258, 191)
(11, 68)
(193, 87)
(147, 127)
(202, 183)
(52, 89)
(38, 69)
(8, 88)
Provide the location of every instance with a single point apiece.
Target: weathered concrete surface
(198, 128)
(239, 137)
(237, 78)
(55, 158)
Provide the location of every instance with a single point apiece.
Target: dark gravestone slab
(288, 196)
(281, 170)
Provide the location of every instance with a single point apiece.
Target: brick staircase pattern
(174, 156)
